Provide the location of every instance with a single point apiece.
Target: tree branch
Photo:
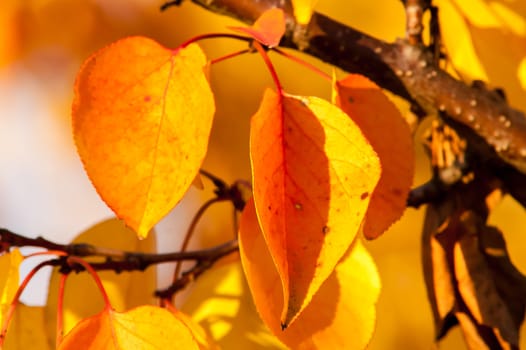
(116, 260)
(481, 116)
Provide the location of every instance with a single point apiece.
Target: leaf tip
(143, 230)
(290, 314)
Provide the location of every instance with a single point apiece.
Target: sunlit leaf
(491, 14)
(9, 279)
(268, 29)
(458, 42)
(303, 10)
(486, 40)
(341, 314)
(384, 127)
(220, 302)
(145, 327)
(125, 291)
(437, 274)
(142, 115)
(199, 334)
(27, 329)
(313, 172)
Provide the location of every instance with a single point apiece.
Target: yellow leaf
(312, 173)
(145, 328)
(390, 136)
(199, 334)
(492, 14)
(522, 73)
(486, 40)
(477, 12)
(142, 115)
(303, 10)
(9, 279)
(458, 42)
(27, 329)
(341, 314)
(125, 291)
(515, 21)
(221, 303)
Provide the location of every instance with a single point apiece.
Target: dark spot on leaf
(364, 195)
(325, 229)
(397, 192)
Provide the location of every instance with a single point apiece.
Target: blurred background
(44, 190)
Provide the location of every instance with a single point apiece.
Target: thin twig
(191, 230)
(199, 268)
(414, 11)
(116, 260)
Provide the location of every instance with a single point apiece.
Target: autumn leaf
(221, 303)
(268, 28)
(476, 33)
(203, 340)
(384, 127)
(312, 172)
(145, 327)
(341, 314)
(9, 278)
(26, 330)
(142, 115)
(436, 265)
(490, 286)
(126, 290)
(303, 10)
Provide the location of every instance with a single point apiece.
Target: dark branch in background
(116, 260)
(496, 131)
(119, 261)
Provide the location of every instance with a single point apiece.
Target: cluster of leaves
(142, 115)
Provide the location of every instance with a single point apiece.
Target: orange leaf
(82, 298)
(390, 136)
(145, 327)
(141, 118)
(268, 29)
(312, 170)
(341, 314)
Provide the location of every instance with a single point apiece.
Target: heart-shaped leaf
(142, 115)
